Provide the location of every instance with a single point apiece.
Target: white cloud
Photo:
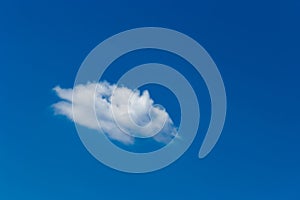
(111, 103)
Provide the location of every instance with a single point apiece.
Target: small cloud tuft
(99, 106)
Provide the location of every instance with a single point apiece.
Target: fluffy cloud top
(119, 112)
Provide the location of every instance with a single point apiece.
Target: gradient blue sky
(256, 47)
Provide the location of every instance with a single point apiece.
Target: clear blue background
(256, 47)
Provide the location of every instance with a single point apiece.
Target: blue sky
(255, 45)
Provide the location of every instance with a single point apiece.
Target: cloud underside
(118, 112)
